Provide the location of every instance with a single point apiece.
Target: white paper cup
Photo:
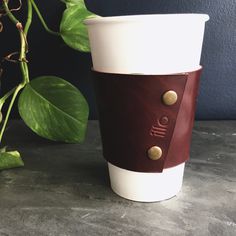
(146, 187)
(171, 43)
(146, 44)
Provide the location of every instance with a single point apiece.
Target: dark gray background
(49, 55)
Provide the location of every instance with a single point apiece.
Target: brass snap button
(170, 98)
(155, 153)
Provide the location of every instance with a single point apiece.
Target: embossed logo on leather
(160, 128)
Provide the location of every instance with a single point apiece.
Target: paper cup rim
(147, 17)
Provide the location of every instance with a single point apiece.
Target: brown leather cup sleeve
(133, 118)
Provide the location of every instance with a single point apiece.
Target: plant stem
(5, 97)
(42, 20)
(8, 12)
(17, 90)
(26, 29)
(29, 18)
(22, 59)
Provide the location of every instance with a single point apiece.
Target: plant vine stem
(29, 18)
(8, 12)
(6, 96)
(42, 19)
(22, 59)
(17, 90)
(24, 66)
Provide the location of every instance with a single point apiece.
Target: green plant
(50, 106)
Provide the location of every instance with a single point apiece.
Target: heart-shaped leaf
(54, 109)
(72, 28)
(10, 160)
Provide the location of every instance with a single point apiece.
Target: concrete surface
(64, 189)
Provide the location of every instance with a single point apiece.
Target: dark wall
(49, 55)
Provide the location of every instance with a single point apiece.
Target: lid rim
(146, 17)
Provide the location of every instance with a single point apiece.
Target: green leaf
(10, 160)
(72, 28)
(54, 109)
(70, 3)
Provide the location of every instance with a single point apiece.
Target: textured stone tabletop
(64, 189)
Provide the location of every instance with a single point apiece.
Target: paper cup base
(146, 187)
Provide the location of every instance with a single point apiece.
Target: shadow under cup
(146, 79)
